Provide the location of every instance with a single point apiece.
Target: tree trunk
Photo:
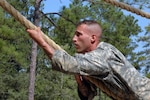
(32, 71)
(34, 53)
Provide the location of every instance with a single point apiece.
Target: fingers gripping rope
(11, 10)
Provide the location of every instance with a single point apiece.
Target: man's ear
(93, 38)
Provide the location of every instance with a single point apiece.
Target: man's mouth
(76, 46)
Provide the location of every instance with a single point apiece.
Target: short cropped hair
(88, 22)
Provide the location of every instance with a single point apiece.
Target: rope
(12, 11)
(128, 8)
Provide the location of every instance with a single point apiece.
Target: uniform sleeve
(108, 64)
(92, 63)
(63, 62)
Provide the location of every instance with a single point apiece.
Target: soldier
(96, 64)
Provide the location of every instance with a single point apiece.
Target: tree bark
(36, 20)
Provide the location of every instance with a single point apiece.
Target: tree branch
(67, 19)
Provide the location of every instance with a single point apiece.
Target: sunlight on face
(82, 39)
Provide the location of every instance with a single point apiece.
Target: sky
(142, 22)
(55, 6)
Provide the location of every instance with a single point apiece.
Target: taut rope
(11, 10)
(129, 8)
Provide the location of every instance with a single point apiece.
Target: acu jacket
(108, 69)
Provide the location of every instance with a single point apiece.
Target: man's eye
(78, 34)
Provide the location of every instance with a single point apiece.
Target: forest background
(25, 71)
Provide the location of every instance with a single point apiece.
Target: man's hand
(86, 91)
(82, 86)
(36, 35)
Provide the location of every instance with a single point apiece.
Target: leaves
(15, 47)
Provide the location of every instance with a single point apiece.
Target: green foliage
(137, 3)
(52, 85)
(14, 59)
(118, 29)
(148, 75)
(144, 55)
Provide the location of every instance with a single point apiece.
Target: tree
(60, 27)
(114, 31)
(142, 57)
(137, 3)
(36, 20)
(14, 57)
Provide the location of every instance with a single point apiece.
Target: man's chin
(79, 51)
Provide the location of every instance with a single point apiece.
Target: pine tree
(142, 57)
(14, 58)
(15, 44)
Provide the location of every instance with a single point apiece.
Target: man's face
(82, 39)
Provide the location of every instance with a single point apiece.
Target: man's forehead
(78, 32)
(82, 27)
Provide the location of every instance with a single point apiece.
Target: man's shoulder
(105, 45)
(108, 47)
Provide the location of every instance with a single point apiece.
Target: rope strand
(128, 8)
(12, 11)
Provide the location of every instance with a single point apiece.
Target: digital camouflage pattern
(108, 69)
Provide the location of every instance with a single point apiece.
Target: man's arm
(36, 35)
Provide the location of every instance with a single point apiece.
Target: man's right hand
(37, 36)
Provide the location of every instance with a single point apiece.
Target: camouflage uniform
(108, 69)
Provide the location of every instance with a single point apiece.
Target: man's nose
(74, 39)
